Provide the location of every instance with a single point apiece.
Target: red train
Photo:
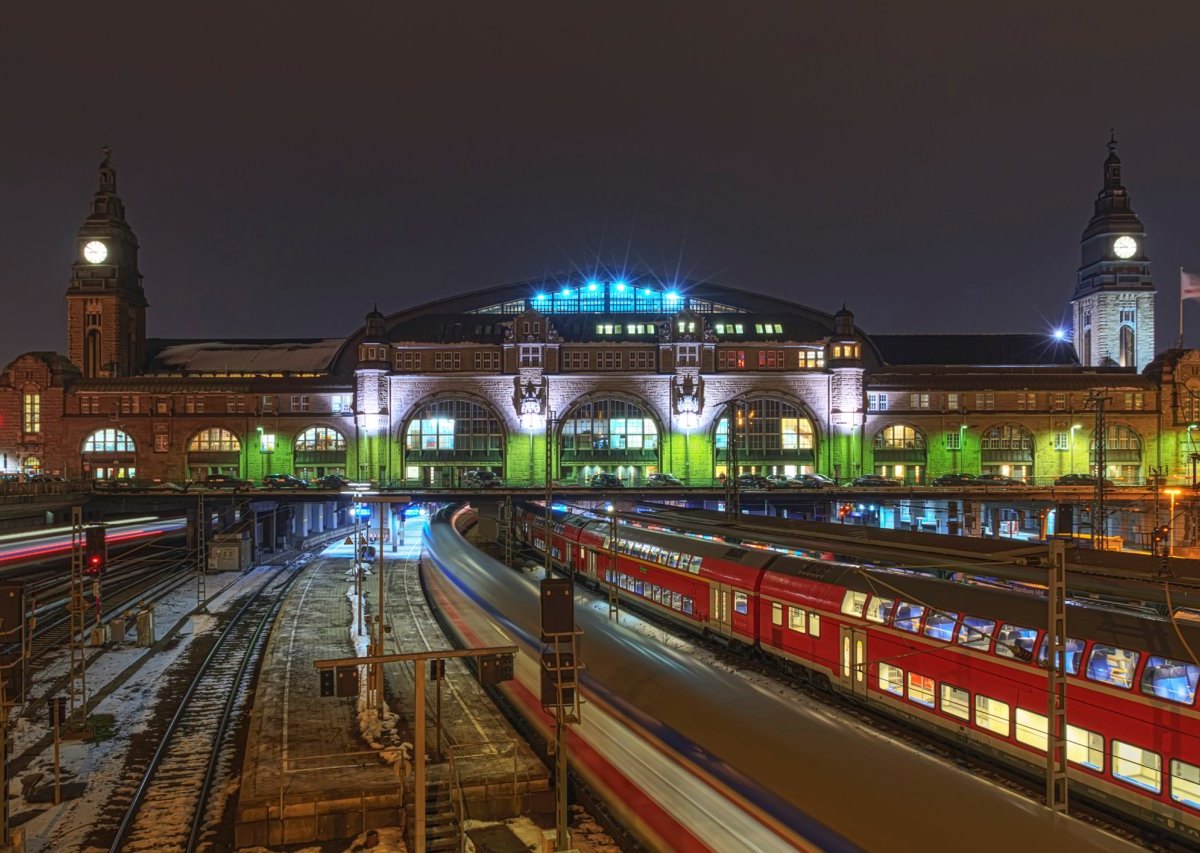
(966, 660)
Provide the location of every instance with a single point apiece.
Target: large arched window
(32, 465)
(214, 440)
(1122, 454)
(1007, 449)
(899, 452)
(109, 441)
(774, 437)
(899, 437)
(214, 450)
(448, 437)
(616, 436)
(320, 440)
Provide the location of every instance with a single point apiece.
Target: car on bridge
(664, 480)
(223, 481)
(333, 482)
(1079, 480)
(482, 479)
(283, 481)
(875, 481)
(813, 481)
(754, 481)
(955, 480)
(998, 480)
(606, 481)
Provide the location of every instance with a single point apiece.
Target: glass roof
(607, 297)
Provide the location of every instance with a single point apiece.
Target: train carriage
(966, 660)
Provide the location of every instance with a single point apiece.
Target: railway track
(164, 801)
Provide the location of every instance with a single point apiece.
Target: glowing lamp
(1060, 334)
(671, 294)
(689, 420)
(540, 297)
(646, 292)
(566, 291)
(592, 285)
(620, 285)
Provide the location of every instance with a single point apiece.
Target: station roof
(975, 349)
(242, 356)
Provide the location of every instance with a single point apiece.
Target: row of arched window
(1003, 437)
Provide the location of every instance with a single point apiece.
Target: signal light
(95, 552)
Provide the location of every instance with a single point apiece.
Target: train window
(975, 633)
(741, 603)
(908, 616)
(1112, 665)
(1074, 654)
(676, 601)
(956, 702)
(920, 689)
(1185, 783)
(796, 619)
(1137, 766)
(991, 715)
(1169, 679)
(639, 587)
(1013, 641)
(695, 565)
(687, 604)
(879, 609)
(1031, 729)
(656, 594)
(814, 624)
(1086, 748)
(853, 602)
(940, 626)
(891, 679)
(776, 613)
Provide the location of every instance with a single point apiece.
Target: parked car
(606, 481)
(113, 484)
(875, 481)
(47, 478)
(814, 481)
(160, 485)
(283, 481)
(661, 480)
(954, 480)
(482, 479)
(998, 480)
(333, 482)
(1078, 480)
(753, 481)
(224, 481)
(779, 481)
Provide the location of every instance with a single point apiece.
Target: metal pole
(549, 483)
(419, 744)
(1171, 527)
(562, 838)
(438, 687)
(1056, 677)
(56, 708)
(379, 618)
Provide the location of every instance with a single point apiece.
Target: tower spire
(108, 175)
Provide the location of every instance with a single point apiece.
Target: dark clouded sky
(286, 165)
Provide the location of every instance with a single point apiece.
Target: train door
(719, 609)
(591, 564)
(852, 660)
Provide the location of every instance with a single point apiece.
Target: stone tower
(1112, 310)
(106, 307)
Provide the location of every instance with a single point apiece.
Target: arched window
(109, 441)
(454, 427)
(214, 440)
(33, 465)
(320, 439)
(1007, 437)
(768, 426)
(899, 437)
(604, 425)
(1121, 438)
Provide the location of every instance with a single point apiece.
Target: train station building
(630, 374)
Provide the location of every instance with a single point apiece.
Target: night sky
(285, 166)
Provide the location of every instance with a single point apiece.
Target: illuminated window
(956, 702)
(771, 359)
(1013, 641)
(1173, 680)
(109, 441)
(316, 439)
(908, 617)
(214, 440)
(458, 426)
(1032, 729)
(976, 633)
(1007, 437)
(731, 359)
(952, 402)
(953, 439)
(891, 679)
(920, 689)
(899, 437)
(776, 613)
(341, 403)
(811, 359)
(1185, 783)
(1062, 441)
(877, 402)
(741, 603)
(796, 619)
(32, 465)
(1074, 650)
(31, 411)
(1137, 766)
(1111, 665)
(768, 427)
(918, 401)
(853, 603)
(992, 715)
(266, 442)
(609, 425)
(879, 609)
(940, 626)
(814, 624)
(1085, 748)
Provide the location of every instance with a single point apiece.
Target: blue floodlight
(566, 291)
(646, 292)
(1060, 334)
(671, 294)
(620, 285)
(592, 285)
(541, 296)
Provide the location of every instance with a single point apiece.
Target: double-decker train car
(964, 660)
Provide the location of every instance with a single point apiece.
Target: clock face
(1125, 247)
(95, 252)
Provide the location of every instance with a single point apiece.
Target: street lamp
(1072, 445)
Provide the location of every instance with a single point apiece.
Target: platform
(308, 775)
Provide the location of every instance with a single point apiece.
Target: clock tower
(106, 307)
(1112, 310)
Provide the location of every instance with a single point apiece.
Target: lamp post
(262, 453)
(1072, 446)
